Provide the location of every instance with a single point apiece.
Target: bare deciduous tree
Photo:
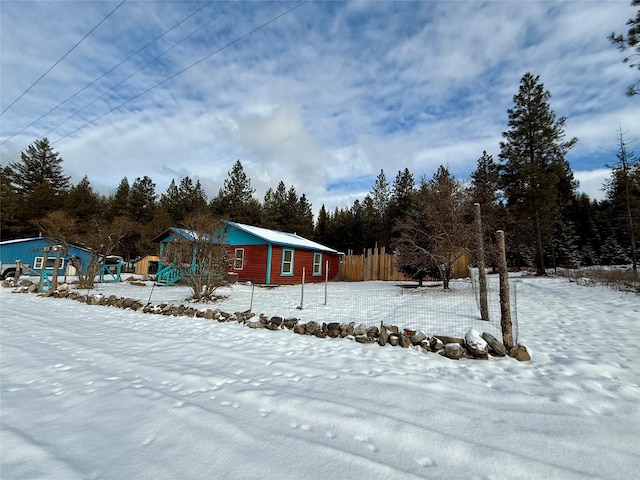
(438, 231)
(201, 257)
(95, 235)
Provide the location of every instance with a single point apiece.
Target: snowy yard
(91, 392)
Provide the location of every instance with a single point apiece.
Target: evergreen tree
(533, 165)
(304, 225)
(82, 202)
(485, 185)
(402, 200)
(118, 203)
(184, 200)
(142, 200)
(235, 199)
(623, 191)
(321, 229)
(274, 208)
(630, 41)
(38, 164)
(377, 212)
(10, 225)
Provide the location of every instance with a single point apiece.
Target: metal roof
(281, 238)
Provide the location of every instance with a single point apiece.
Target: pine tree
(485, 185)
(118, 203)
(533, 165)
(10, 225)
(142, 200)
(401, 201)
(380, 199)
(273, 208)
(321, 229)
(623, 191)
(82, 202)
(184, 200)
(630, 41)
(38, 164)
(235, 199)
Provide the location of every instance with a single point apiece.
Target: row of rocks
(472, 345)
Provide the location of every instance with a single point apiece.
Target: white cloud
(329, 93)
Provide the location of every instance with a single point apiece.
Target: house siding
(254, 265)
(28, 249)
(302, 259)
(262, 260)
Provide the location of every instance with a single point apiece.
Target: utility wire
(101, 77)
(62, 58)
(237, 40)
(138, 70)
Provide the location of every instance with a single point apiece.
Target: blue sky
(322, 98)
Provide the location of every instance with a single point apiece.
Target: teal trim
(112, 271)
(283, 273)
(318, 273)
(269, 256)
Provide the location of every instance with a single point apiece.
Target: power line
(62, 58)
(100, 77)
(138, 70)
(186, 68)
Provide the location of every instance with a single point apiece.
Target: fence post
(326, 280)
(16, 274)
(505, 308)
(56, 267)
(43, 274)
(484, 305)
(302, 289)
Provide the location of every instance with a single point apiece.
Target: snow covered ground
(91, 392)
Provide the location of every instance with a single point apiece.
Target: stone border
(473, 346)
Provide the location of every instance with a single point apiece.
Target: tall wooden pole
(482, 271)
(56, 267)
(43, 268)
(505, 307)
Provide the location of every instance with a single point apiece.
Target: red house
(268, 256)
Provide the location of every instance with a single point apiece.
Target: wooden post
(56, 267)
(482, 271)
(302, 290)
(16, 274)
(45, 258)
(505, 308)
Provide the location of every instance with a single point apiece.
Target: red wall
(255, 265)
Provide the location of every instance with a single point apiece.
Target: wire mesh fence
(428, 308)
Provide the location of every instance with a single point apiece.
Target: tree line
(529, 191)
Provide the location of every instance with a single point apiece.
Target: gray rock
(520, 353)
(436, 344)
(383, 338)
(453, 350)
(495, 346)
(476, 345)
(360, 330)
(418, 338)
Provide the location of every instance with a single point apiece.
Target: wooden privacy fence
(377, 264)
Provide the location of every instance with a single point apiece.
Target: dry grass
(621, 278)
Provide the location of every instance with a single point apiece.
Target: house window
(38, 261)
(238, 261)
(317, 263)
(287, 261)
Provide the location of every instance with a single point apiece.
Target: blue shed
(30, 253)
